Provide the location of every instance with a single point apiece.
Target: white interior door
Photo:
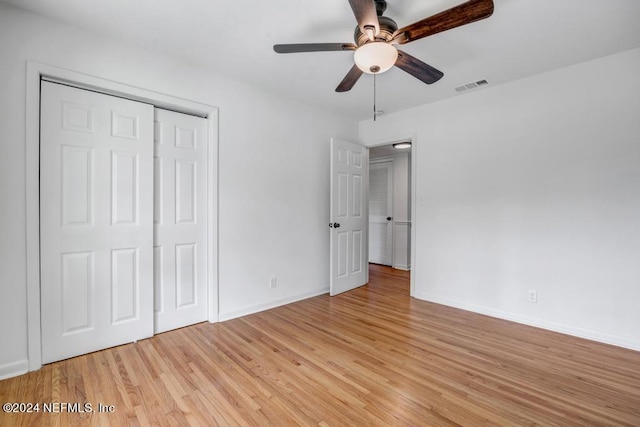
(180, 220)
(349, 180)
(381, 213)
(96, 213)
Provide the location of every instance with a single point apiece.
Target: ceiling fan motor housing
(387, 27)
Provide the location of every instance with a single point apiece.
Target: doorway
(390, 205)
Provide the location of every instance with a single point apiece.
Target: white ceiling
(522, 38)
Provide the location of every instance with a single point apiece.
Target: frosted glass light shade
(375, 57)
(402, 145)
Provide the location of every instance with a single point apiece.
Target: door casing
(37, 71)
(413, 138)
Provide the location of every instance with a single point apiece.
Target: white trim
(383, 159)
(212, 222)
(366, 164)
(128, 92)
(414, 203)
(271, 304)
(35, 71)
(14, 369)
(32, 181)
(562, 328)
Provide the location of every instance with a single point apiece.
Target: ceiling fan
(376, 37)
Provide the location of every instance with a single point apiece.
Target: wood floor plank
(371, 356)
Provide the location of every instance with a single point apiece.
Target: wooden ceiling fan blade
(367, 17)
(465, 13)
(350, 79)
(313, 47)
(417, 68)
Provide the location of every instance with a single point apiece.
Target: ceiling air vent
(472, 85)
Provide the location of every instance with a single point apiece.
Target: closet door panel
(181, 220)
(96, 202)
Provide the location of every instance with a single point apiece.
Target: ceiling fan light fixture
(402, 145)
(375, 57)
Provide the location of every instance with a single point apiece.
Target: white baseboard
(268, 305)
(575, 331)
(405, 267)
(14, 369)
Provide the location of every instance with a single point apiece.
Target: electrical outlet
(273, 282)
(532, 295)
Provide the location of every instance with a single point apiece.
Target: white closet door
(96, 213)
(180, 220)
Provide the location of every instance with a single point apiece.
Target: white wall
(532, 185)
(273, 172)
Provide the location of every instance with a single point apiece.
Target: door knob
(389, 218)
(334, 225)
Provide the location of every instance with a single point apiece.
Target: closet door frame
(35, 73)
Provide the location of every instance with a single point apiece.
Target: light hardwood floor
(372, 356)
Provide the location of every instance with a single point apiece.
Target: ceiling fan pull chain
(374, 97)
